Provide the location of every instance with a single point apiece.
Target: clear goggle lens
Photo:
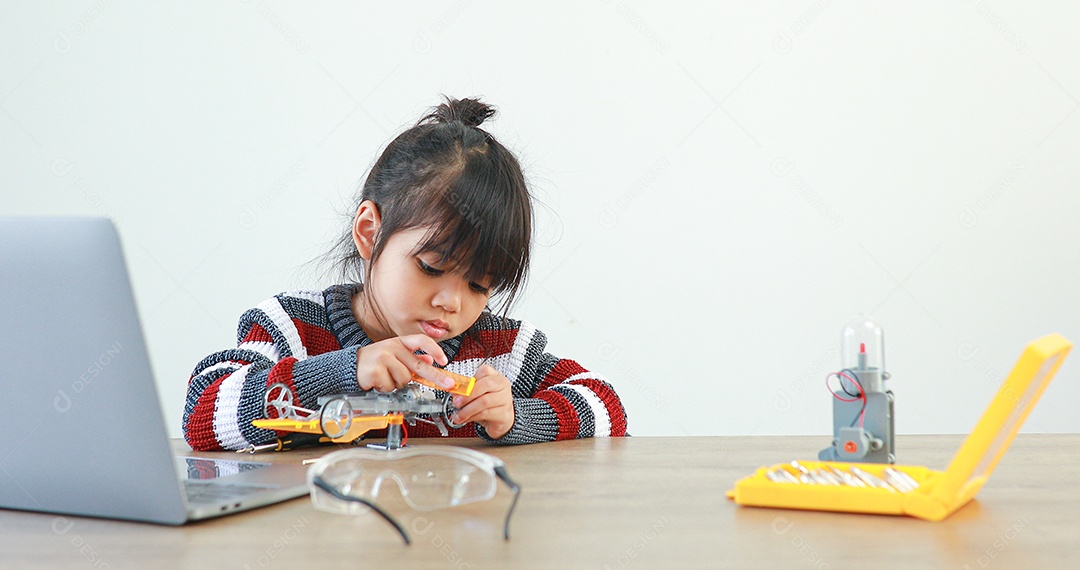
(428, 478)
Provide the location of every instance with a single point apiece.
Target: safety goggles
(429, 477)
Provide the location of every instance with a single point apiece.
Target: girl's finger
(434, 375)
(415, 342)
(474, 410)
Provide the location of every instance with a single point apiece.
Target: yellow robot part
(354, 428)
(463, 385)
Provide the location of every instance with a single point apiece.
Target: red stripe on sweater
(199, 431)
(257, 334)
(562, 370)
(316, 340)
(615, 411)
(569, 423)
(487, 344)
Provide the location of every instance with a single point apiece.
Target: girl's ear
(365, 228)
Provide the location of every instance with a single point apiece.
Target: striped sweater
(308, 340)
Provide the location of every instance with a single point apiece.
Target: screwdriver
(286, 443)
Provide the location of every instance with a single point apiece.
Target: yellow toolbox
(910, 489)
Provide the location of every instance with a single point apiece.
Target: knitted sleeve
(554, 398)
(285, 339)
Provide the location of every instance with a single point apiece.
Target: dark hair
(448, 174)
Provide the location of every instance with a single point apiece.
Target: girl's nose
(448, 297)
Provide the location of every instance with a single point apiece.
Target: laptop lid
(83, 432)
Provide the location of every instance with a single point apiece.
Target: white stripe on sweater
(272, 308)
(230, 364)
(516, 358)
(227, 409)
(468, 367)
(600, 412)
(267, 349)
(465, 367)
(307, 294)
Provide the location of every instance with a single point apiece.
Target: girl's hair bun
(469, 112)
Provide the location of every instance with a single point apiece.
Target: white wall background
(723, 186)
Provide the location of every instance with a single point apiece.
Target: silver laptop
(82, 431)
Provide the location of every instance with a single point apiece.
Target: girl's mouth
(435, 329)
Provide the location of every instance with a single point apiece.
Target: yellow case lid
(981, 451)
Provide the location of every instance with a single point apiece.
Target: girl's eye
(427, 268)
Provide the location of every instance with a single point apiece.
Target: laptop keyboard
(200, 492)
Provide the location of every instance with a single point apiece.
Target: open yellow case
(939, 493)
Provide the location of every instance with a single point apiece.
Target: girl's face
(414, 294)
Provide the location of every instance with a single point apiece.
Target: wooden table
(642, 502)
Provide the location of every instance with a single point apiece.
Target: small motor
(862, 407)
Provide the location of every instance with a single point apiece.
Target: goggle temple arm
(322, 484)
(500, 471)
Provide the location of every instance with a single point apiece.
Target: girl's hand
(491, 403)
(390, 364)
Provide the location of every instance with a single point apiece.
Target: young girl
(442, 226)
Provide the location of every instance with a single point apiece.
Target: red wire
(840, 375)
(405, 434)
(862, 393)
